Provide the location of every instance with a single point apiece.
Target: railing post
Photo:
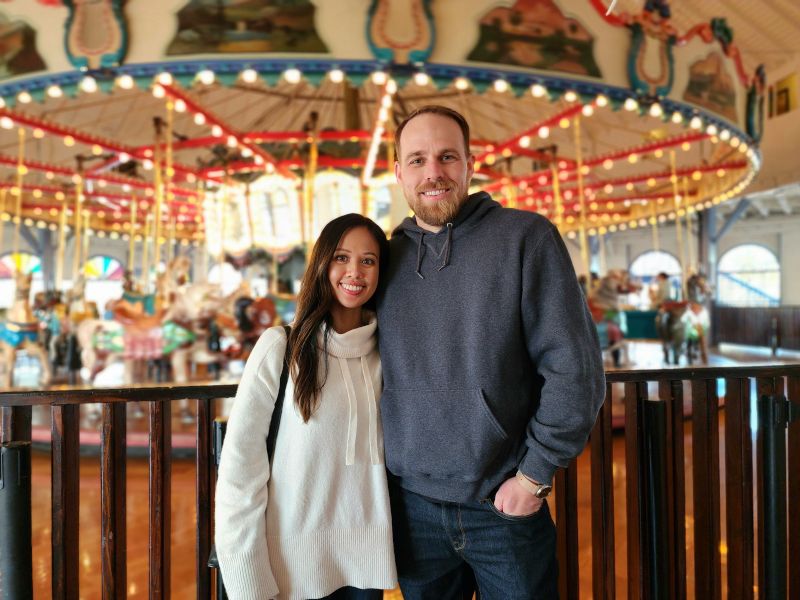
(654, 475)
(772, 420)
(16, 558)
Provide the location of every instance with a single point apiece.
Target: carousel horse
(20, 331)
(252, 317)
(671, 330)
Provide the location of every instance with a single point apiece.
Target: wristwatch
(540, 490)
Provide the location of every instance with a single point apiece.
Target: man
(660, 292)
(492, 376)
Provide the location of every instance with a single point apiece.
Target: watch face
(543, 491)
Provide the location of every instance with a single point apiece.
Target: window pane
(749, 275)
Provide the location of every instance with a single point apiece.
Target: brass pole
(581, 195)
(85, 254)
(3, 193)
(689, 244)
(602, 239)
(132, 239)
(307, 212)
(656, 245)
(159, 188)
(62, 244)
(677, 205)
(559, 207)
(169, 173)
(249, 209)
(18, 208)
(223, 219)
(76, 237)
(146, 254)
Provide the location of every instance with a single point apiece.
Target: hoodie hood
(474, 209)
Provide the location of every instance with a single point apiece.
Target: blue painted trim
(515, 77)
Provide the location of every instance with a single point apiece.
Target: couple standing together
(462, 351)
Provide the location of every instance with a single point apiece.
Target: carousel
(190, 168)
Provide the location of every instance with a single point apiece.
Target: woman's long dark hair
(314, 304)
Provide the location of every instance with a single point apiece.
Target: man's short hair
(434, 109)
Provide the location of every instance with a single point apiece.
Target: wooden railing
(777, 327)
(64, 405)
(654, 405)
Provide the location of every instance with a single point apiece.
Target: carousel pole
(86, 230)
(273, 280)
(169, 173)
(654, 223)
(249, 210)
(364, 199)
(159, 188)
(18, 208)
(559, 208)
(3, 193)
(62, 239)
(223, 219)
(690, 247)
(307, 213)
(581, 195)
(132, 238)
(602, 240)
(146, 254)
(76, 245)
(676, 198)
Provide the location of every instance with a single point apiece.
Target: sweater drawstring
(352, 422)
(374, 454)
(420, 254)
(447, 245)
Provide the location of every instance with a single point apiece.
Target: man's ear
(397, 171)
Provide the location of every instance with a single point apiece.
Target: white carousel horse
(20, 331)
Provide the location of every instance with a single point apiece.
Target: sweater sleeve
(562, 342)
(241, 495)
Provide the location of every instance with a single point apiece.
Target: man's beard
(440, 212)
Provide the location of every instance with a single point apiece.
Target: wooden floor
(183, 522)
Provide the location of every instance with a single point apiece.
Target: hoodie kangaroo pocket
(444, 434)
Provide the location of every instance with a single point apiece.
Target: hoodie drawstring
(447, 245)
(352, 422)
(420, 254)
(374, 454)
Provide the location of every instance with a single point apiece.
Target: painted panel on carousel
(242, 26)
(96, 33)
(651, 64)
(711, 87)
(535, 34)
(401, 32)
(18, 53)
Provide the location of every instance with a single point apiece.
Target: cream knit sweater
(320, 521)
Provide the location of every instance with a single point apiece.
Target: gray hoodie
(490, 358)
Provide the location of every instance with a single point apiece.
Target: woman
(317, 523)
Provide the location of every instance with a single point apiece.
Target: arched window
(749, 275)
(27, 263)
(645, 268)
(104, 276)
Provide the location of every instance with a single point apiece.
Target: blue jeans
(443, 549)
